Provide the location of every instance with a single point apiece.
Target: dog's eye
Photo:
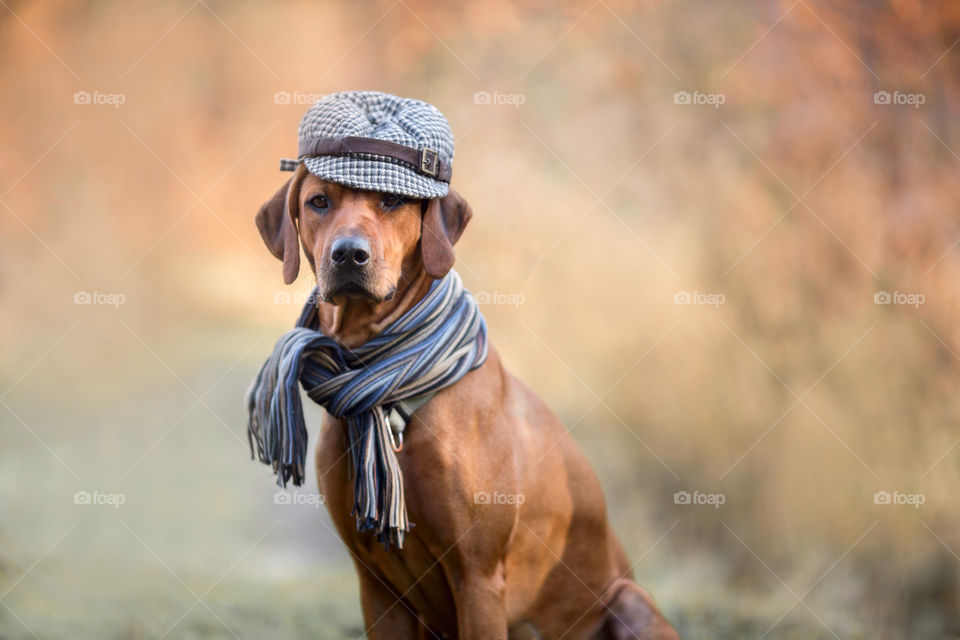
(319, 203)
(391, 201)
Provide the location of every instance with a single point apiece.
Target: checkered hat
(351, 115)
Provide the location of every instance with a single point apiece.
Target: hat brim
(374, 174)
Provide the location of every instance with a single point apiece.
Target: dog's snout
(350, 251)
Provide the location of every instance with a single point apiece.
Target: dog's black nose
(350, 251)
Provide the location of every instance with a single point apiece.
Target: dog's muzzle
(350, 253)
(348, 269)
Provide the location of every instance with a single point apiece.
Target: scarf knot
(431, 346)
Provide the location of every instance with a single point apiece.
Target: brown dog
(536, 558)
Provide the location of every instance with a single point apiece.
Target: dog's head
(360, 244)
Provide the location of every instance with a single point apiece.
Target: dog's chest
(416, 571)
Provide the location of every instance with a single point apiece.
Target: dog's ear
(277, 223)
(443, 222)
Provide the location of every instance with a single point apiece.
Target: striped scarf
(430, 347)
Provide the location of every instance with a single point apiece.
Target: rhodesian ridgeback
(538, 559)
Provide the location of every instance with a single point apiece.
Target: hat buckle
(429, 162)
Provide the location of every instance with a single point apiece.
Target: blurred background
(720, 239)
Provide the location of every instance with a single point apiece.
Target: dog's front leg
(481, 607)
(385, 615)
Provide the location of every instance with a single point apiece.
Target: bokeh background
(810, 222)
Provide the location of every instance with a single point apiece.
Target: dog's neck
(356, 320)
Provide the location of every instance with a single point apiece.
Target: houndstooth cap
(380, 116)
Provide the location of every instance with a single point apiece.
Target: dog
(511, 538)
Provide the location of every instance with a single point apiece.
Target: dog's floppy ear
(443, 223)
(277, 223)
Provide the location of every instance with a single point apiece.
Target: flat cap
(380, 142)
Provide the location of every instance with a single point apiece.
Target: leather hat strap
(424, 161)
